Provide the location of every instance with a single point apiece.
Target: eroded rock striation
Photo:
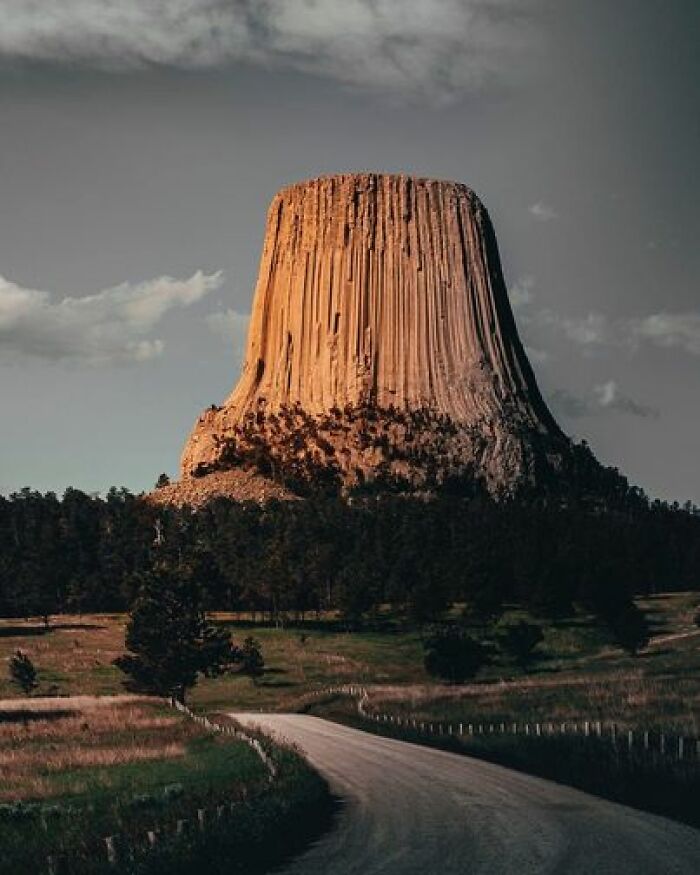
(382, 347)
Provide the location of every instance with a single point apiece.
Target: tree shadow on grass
(28, 716)
(21, 631)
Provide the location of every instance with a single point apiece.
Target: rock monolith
(382, 349)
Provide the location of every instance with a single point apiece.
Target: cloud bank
(665, 330)
(605, 397)
(110, 326)
(436, 47)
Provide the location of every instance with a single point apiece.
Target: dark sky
(141, 142)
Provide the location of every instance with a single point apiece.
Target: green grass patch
(139, 767)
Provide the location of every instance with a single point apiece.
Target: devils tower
(381, 349)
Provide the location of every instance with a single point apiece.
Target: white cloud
(543, 212)
(537, 355)
(229, 324)
(521, 294)
(606, 393)
(109, 326)
(609, 396)
(435, 47)
(590, 330)
(568, 405)
(679, 330)
(603, 398)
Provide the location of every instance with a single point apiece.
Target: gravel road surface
(410, 809)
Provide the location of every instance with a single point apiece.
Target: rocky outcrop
(382, 346)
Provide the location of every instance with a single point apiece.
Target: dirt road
(410, 810)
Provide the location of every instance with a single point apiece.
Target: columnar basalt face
(380, 298)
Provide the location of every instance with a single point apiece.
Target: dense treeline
(289, 560)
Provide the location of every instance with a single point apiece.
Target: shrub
(630, 629)
(23, 673)
(452, 655)
(519, 640)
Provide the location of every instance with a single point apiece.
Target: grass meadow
(77, 774)
(577, 673)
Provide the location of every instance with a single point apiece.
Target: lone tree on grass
(23, 673)
(519, 641)
(452, 655)
(169, 638)
(251, 658)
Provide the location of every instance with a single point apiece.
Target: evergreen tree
(251, 658)
(23, 673)
(169, 638)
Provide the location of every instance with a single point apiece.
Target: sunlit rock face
(382, 347)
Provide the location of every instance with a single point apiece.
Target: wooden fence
(117, 848)
(667, 744)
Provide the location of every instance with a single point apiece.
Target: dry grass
(630, 698)
(74, 655)
(43, 753)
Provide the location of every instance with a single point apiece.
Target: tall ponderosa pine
(169, 638)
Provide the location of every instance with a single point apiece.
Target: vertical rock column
(381, 290)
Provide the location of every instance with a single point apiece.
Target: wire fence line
(669, 745)
(231, 731)
(118, 848)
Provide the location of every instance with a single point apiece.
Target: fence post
(201, 817)
(680, 747)
(662, 743)
(630, 739)
(527, 729)
(586, 728)
(471, 729)
(461, 729)
(598, 728)
(538, 729)
(646, 739)
(111, 850)
(152, 837)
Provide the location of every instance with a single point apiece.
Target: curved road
(410, 809)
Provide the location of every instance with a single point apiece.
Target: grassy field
(73, 774)
(106, 751)
(76, 772)
(577, 674)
